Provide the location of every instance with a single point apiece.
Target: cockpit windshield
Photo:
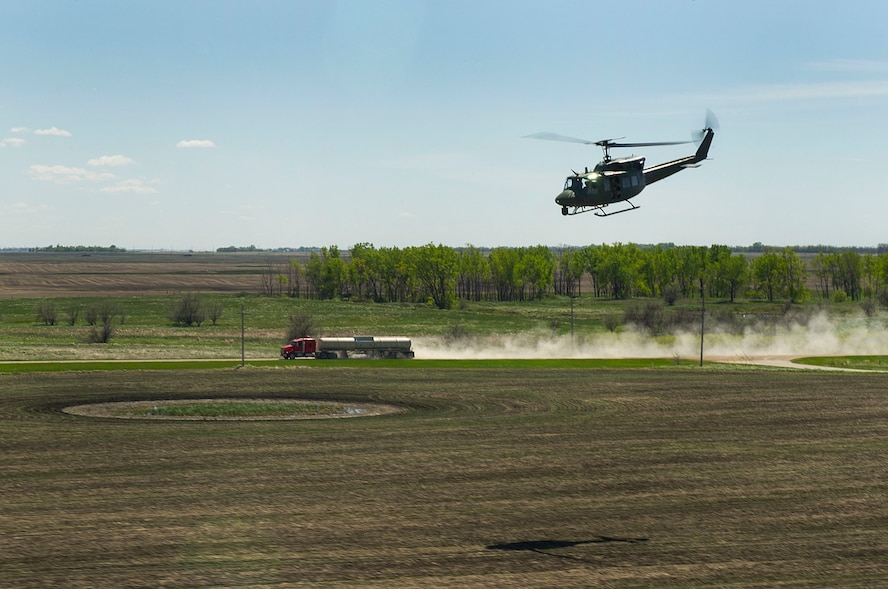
(573, 183)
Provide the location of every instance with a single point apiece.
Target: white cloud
(53, 131)
(19, 130)
(66, 174)
(23, 208)
(129, 186)
(110, 160)
(12, 142)
(195, 143)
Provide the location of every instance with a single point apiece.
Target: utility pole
(702, 318)
(571, 320)
(243, 355)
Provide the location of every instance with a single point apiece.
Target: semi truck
(367, 346)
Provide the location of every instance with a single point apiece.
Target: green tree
(314, 271)
(363, 271)
(536, 267)
(568, 272)
(620, 267)
(592, 258)
(850, 272)
(735, 273)
(717, 257)
(766, 270)
(327, 273)
(503, 263)
(825, 268)
(689, 267)
(870, 275)
(436, 270)
(394, 274)
(473, 273)
(794, 275)
(658, 270)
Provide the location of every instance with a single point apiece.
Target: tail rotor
(711, 124)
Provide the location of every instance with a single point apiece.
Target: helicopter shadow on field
(545, 547)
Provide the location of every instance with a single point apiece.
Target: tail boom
(664, 170)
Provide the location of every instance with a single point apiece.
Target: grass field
(848, 362)
(507, 476)
(143, 287)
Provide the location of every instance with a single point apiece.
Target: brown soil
(66, 275)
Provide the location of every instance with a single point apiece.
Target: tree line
(441, 275)
(79, 249)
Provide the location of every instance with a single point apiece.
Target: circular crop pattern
(231, 409)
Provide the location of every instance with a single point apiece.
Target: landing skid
(601, 213)
(598, 210)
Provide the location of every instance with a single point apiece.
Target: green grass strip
(239, 409)
(853, 362)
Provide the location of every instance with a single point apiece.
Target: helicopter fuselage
(609, 182)
(620, 179)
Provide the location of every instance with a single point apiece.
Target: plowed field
(66, 275)
(524, 478)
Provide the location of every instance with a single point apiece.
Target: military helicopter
(619, 180)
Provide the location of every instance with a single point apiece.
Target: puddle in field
(231, 409)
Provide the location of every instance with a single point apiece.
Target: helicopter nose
(565, 198)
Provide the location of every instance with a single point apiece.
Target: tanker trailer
(368, 346)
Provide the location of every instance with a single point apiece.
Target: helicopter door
(616, 187)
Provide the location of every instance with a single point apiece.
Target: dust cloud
(815, 336)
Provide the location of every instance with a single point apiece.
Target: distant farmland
(120, 274)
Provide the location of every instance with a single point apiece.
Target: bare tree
(301, 325)
(214, 311)
(101, 334)
(47, 312)
(188, 311)
(267, 286)
(73, 314)
(103, 316)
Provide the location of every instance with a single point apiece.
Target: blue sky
(196, 125)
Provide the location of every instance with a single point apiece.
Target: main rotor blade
(601, 142)
(557, 137)
(647, 144)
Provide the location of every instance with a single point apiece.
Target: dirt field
(74, 274)
(491, 478)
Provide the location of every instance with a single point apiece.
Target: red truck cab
(300, 347)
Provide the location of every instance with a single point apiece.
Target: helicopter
(616, 180)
